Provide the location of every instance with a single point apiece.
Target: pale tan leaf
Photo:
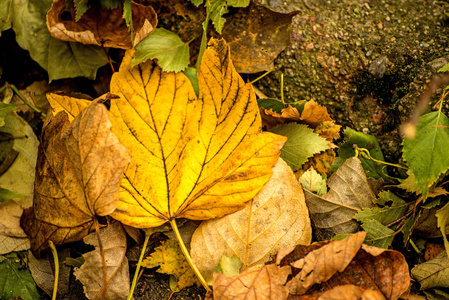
(90, 274)
(277, 217)
(258, 282)
(321, 264)
(349, 192)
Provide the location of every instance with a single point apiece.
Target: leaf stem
(365, 154)
(139, 263)
(260, 77)
(105, 274)
(54, 252)
(19, 94)
(282, 89)
(187, 256)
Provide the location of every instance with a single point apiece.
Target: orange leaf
(271, 118)
(313, 114)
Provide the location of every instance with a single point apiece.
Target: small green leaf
(81, 6)
(230, 266)
(313, 182)
(238, 3)
(271, 103)
(426, 154)
(409, 184)
(15, 282)
(167, 47)
(302, 143)
(366, 141)
(377, 234)
(197, 2)
(191, 74)
(445, 68)
(6, 195)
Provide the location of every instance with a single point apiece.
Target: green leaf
(81, 6)
(271, 103)
(5, 15)
(5, 109)
(302, 143)
(377, 234)
(362, 140)
(16, 282)
(6, 195)
(409, 184)
(433, 273)
(238, 3)
(111, 4)
(191, 74)
(167, 47)
(386, 214)
(442, 220)
(197, 2)
(437, 294)
(445, 68)
(215, 9)
(230, 266)
(313, 182)
(427, 154)
(60, 59)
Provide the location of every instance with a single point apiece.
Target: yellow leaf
(276, 218)
(72, 106)
(196, 158)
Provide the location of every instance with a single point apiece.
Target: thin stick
(261, 76)
(139, 263)
(109, 58)
(105, 274)
(55, 257)
(187, 255)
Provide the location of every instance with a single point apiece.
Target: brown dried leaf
(257, 282)
(90, 274)
(257, 35)
(351, 292)
(277, 217)
(78, 175)
(313, 114)
(372, 268)
(101, 26)
(271, 118)
(328, 130)
(349, 192)
(321, 264)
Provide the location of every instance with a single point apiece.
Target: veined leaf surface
(196, 158)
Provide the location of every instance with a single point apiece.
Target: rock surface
(366, 61)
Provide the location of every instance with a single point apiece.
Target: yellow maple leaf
(196, 158)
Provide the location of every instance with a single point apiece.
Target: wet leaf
(76, 177)
(349, 192)
(101, 26)
(257, 35)
(18, 178)
(60, 59)
(426, 153)
(301, 144)
(171, 261)
(321, 264)
(277, 217)
(191, 158)
(171, 52)
(90, 274)
(16, 282)
(258, 282)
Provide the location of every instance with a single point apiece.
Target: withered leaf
(78, 175)
(277, 217)
(349, 192)
(271, 118)
(313, 114)
(257, 282)
(321, 264)
(90, 274)
(101, 26)
(372, 268)
(351, 292)
(257, 35)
